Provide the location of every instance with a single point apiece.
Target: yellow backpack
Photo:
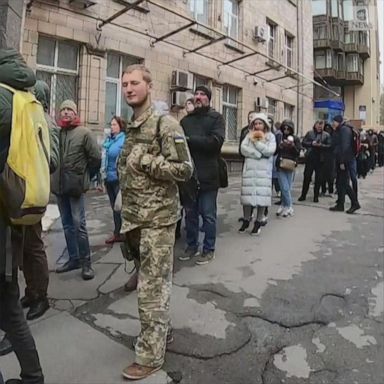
(25, 181)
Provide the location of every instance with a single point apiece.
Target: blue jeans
(206, 207)
(72, 212)
(285, 181)
(113, 190)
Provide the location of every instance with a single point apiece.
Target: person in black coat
(204, 129)
(244, 131)
(328, 179)
(316, 142)
(344, 154)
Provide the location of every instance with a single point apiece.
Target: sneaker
(288, 212)
(205, 258)
(138, 372)
(280, 210)
(188, 254)
(256, 229)
(244, 226)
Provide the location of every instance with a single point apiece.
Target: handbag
(287, 164)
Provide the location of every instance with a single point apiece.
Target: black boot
(301, 198)
(87, 273)
(256, 228)
(14, 381)
(5, 346)
(354, 208)
(315, 199)
(38, 308)
(337, 208)
(244, 226)
(26, 301)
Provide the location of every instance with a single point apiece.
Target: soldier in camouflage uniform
(154, 158)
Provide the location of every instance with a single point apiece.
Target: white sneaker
(288, 212)
(280, 210)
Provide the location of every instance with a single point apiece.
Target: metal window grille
(57, 65)
(230, 107)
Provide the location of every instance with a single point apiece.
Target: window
(231, 18)
(272, 107)
(349, 37)
(288, 50)
(353, 63)
(320, 31)
(230, 97)
(200, 80)
(335, 32)
(199, 10)
(272, 29)
(57, 65)
(323, 59)
(334, 5)
(319, 7)
(348, 10)
(114, 100)
(288, 111)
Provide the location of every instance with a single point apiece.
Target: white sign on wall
(360, 20)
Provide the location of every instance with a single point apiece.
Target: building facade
(80, 48)
(347, 59)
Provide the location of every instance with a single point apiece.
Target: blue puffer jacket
(112, 147)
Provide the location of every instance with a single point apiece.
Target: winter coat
(316, 154)
(80, 158)
(343, 144)
(112, 147)
(204, 129)
(256, 186)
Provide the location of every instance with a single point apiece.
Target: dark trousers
(206, 207)
(328, 178)
(12, 320)
(362, 165)
(344, 187)
(372, 160)
(310, 167)
(35, 265)
(380, 158)
(352, 169)
(113, 190)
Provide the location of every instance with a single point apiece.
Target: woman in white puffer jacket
(258, 148)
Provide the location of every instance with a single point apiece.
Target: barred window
(230, 100)
(114, 99)
(272, 107)
(288, 111)
(58, 66)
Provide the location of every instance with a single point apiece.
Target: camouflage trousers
(154, 246)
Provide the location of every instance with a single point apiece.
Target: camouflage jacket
(151, 163)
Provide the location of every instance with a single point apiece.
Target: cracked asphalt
(303, 303)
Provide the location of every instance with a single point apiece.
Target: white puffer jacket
(256, 188)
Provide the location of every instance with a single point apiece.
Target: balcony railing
(321, 43)
(337, 45)
(354, 78)
(350, 47)
(364, 51)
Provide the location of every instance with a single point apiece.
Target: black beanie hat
(338, 118)
(204, 89)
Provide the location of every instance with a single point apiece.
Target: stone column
(11, 20)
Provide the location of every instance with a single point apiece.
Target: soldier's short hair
(147, 75)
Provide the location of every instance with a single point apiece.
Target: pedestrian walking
(80, 160)
(258, 148)
(373, 147)
(204, 129)
(380, 148)
(112, 147)
(344, 153)
(286, 162)
(154, 158)
(17, 79)
(317, 142)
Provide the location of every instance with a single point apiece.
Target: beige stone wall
(63, 22)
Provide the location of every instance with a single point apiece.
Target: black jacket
(205, 130)
(244, 131)
(285, 150)
(343, 144)
(317, 153)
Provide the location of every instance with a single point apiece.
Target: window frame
(227, 104)
(194, 12)
(272, 102)
(291, 111)
(56, 70)
(271, 27)
(288, 49)
(230, 18)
